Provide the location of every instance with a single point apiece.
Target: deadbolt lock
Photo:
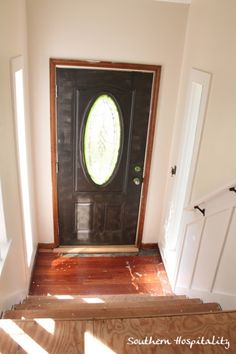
(137, 169)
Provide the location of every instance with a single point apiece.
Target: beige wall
(126, 30)
(15, 274)
(211, 47)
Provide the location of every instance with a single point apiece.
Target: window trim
(4, 241)
(19, 102)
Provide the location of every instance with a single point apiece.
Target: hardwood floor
(122, 319)
(57, 274)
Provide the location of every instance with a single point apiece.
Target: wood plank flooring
(93, 311)
(57, 274)
(121, 336)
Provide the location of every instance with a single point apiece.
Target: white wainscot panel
(213, 237)
(189, 253)
(226, 279)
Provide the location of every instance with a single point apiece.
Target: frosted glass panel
(102, 139)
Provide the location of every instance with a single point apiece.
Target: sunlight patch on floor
(94, 345)
(21, 338)
(64, 297)
(93, 300)
(46, 323)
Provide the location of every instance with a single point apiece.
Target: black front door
(102, 125)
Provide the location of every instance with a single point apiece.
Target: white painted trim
(17, 63)
(196, 104)
(222, 250)
(177, 217)
(204, 79)
(209, 252)
(22, 151)
(211, 195)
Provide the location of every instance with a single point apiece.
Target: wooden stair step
(69, 336)
(95, 312)
(104, 298)
(75, 305)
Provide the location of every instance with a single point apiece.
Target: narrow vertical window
(194, 105)
(20, 120)
(196, 101)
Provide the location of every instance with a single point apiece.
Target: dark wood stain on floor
(56, 274)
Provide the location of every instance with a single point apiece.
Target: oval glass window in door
(102, 139)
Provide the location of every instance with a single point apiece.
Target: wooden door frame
(68, 63)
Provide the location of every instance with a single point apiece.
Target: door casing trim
(70, 63)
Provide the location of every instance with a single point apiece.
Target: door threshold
(97, 249)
